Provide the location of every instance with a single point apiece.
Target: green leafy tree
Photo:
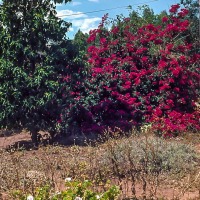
(79, 46)
(193, 18)
(145, 15)
(77, 72)
(33, 55)
(80, 40)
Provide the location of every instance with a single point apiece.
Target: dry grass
(142, 165)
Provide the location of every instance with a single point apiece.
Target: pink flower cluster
(145, 76)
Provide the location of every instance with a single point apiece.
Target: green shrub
(75, 190)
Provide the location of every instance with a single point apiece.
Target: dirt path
(16, 140)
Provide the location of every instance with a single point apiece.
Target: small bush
(75, 190)
(157, 154)
(147, 160)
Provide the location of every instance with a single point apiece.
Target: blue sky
(80, 19)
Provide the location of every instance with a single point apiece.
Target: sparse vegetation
(139, 165)
(131, 103)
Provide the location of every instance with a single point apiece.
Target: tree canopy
(33, 55)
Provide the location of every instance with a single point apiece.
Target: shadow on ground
(22, 141)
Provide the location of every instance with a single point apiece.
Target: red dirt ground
(24, 139)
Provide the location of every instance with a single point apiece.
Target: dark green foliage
(33, 56)
(79, 46)
(145, 15)
(194, 8)
(80, 41)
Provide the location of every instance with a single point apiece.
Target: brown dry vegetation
(144, 166)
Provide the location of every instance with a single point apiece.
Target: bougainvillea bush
(137, 76)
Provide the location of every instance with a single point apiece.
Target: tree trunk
(35, 136)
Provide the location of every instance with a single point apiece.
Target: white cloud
(70, 14)
(85, 25)
(71, 29)
(75, 3)
(94, 0)
(59, 5)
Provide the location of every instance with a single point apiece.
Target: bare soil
(166, 190)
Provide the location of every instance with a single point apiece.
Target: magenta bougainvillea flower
(148, 75)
